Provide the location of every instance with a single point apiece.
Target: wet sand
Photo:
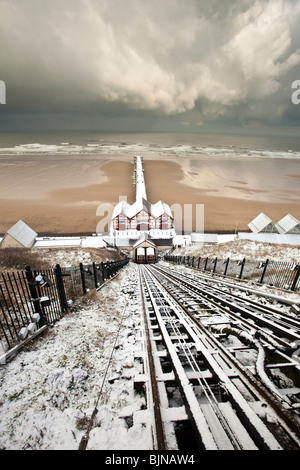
(233, 192)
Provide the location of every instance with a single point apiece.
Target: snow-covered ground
(238, 249)
(74, 256)
(48, 391)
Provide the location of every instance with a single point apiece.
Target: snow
(72, 242)
(72, 256)
(238, 249)
(48, 391)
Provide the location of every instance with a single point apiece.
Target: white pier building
(141, 220)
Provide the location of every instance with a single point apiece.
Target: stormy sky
(174, 65)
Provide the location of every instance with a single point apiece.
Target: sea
(154, 145)
(56, 180)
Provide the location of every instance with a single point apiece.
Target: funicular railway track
(216, 290)
(198, 383)
(282, 328)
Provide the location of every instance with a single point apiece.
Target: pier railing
(32, 300)
(284, 275)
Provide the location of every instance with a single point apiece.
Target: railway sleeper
(226, 393)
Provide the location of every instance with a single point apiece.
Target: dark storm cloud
(219, 58)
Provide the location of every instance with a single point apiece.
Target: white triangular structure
(262, 224)
(288, 225)
(19, 235)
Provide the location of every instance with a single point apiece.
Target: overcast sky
(149, 64)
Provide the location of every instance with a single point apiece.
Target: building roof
(22, 233)
(144, 240)
(262, 223)
(288, 224)
(130, 210)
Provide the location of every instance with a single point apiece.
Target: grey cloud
(168, 57)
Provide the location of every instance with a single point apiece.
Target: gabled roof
(130, 210)
(143, 239)
(288, 224)
(160, 208)
(262, 223)
(22, 233)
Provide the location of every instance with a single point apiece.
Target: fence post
(95, 275)
(296, 268)
(215, 264)
(34, 295)
(205, 265)
(60, 288)
(102, 271)
(226, 262)
(263, 265)
(82, 278)
(199, 260)
(242, 264)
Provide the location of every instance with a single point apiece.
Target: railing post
(102, 271)
(34, 295)
(263, 265)
(95, 275)
(215, 264)
(199, 260)
(242, 264)
(105, 272)
(60, 288)
(226, 262)
(205, 265)
(82, 279)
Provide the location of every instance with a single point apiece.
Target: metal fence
(284, 275)
(31, 300)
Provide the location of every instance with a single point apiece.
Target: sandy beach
(62, 196)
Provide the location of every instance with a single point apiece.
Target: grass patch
(18, 258)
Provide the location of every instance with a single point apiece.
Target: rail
(215, 387)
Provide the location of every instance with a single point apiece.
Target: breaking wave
(146, 149)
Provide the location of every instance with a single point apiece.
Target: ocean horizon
(149, 144)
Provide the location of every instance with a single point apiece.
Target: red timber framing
(143, 221)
